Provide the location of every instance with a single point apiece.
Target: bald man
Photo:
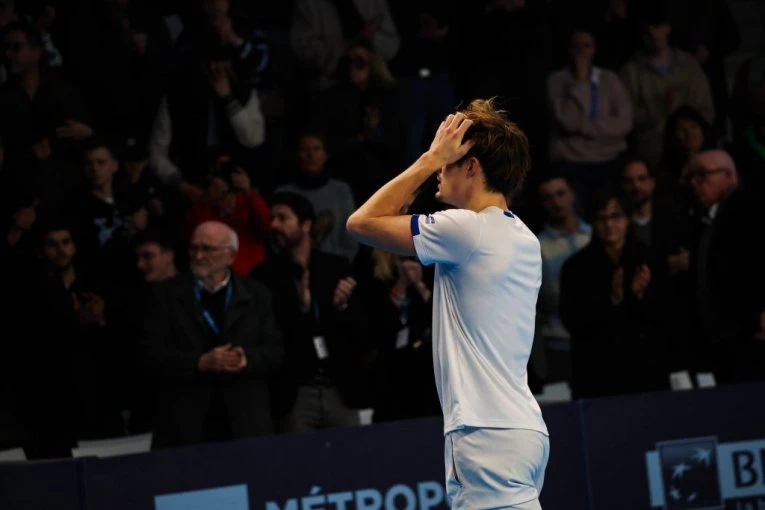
(726, 266)
(211, 341)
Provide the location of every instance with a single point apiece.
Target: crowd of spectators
(175, 179)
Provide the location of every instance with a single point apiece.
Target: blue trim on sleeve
(508, 214)
(415, 225)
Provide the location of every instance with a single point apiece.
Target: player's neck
(481, 201)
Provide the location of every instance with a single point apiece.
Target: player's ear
(472, 166)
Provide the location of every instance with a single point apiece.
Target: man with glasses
(726, 266)
(211, 341)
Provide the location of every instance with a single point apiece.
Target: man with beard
(316, 309)
(68, 395)
(211, 342)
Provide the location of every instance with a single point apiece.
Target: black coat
(343, 331)
(615, 349)
(175, 332)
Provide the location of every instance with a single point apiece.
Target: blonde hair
(383, 265)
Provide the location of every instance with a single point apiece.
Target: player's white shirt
(487, 279)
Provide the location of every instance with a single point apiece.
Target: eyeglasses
(205, 249)
(702, 174)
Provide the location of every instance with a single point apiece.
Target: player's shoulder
(452, 216)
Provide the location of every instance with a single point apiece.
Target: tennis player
(487, 278)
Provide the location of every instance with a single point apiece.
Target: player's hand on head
(447, 146)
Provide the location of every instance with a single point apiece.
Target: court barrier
(680, 450)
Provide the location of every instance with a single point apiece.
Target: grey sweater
(332, 202)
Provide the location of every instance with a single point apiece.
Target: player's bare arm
(378, 222)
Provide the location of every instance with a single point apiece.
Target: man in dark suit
(727, 269)
(212, 341)
(321, 384)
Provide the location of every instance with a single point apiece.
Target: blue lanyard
(206, 314)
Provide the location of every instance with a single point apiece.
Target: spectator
(564, 234)
(591, 118)
(206, 107)
(726, 266)
(211, 342)
(611, 290)
(44, 17)
(43, 116)
(231, 200)
(316, 309)
(155, 256)
(426, 91)
(685, 134)
(106, 219)
(321, 30)
(661, 79)
(331, 199)
(71, 392)
(749, 143)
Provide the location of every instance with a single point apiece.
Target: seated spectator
(726, 267)
(321, 322)
(72, 391)
(591, 116)
(749, 143)
(321, 29)
(210, 343)
(661, 79)
(564, 234)
(610, 302)
(42, 18)
(231, 200)
(331, 199)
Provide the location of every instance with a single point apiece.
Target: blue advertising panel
(40, 485)
(684, 450)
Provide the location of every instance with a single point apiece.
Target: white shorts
(495, 468)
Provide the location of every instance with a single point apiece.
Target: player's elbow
(355, 225)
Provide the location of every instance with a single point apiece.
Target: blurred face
(21, 57)
(59, 249)
(557, 199)
(689, 135)
(611, 224)
(154, 262)
(210, 250)
(359, 69)
(582, 46)
(637, 183)
(215, 8)
(100, 167)
(286, 226)
(453, 184)
(311, 155)
(711, 179)
(510, 5)
(657, 37)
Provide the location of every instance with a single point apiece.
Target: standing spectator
(726, 266)
(610, 303)
(321, 30)
(332, 200)
(72, 391)
(564, 234)
(661, 78)
(320, 318)
(211, 341)
(232, 200)
(591, 118)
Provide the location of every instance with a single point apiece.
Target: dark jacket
(175, 332)
(342, 330)
(615, 349)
